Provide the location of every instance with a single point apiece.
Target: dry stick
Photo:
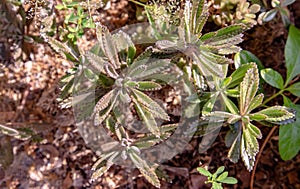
(259, 154)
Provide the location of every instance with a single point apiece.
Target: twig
(296, 100)
(259, 154)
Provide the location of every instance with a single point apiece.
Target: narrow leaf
(248, 89)
(147, 171)
(148, 86)
(204, 172)
(149, 103)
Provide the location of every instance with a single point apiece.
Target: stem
(259, 154)
(138, 3)
(273, 96)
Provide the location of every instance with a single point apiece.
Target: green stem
(272, 97)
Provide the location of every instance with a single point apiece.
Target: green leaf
(257, 117)
(220, 170)
(123, 43)
(147, 171)
(287, 2)
(206, 66)
(270, 15)
(245, 57)
(238, 75)
(148, 86)
(216, 185)
(204, 172)
(63, 49)
(248, 89)
(272, 77)
(278, 114)
(222, 176)
(60, 7)
(289, 135)
(98, 119)
(223, 34)
(294, 89)
(95, 62)
(230, 180)
(209, 105)
(234, 137)
(107, 44)
(104, 102)
(291, 53)
(19, 134)
(248, 152)
(103, 164)
(256, 102)
(200, 15)
(147, 118)
(150, 104)
(229, 104)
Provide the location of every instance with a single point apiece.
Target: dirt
(58, 157)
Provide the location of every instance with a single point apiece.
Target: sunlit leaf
(204, 172)
(148, 86)
(272, 77)
(230, 180)
(278, 114)
(147, 118)
(248, 89)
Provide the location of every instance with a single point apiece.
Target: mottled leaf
(256, 102)
(151, 104)
(277, 114)
(103, 164)
(148, 86)
(248, 89)
(108, 46)
(95, 61)
(147, 171)
(147, 118)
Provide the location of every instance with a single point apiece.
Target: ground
(57, 157)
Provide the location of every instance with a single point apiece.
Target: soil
(57, 156)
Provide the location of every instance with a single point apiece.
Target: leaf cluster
(277, 7)
(218, 178)
(76, 20)
(234, 12)
(121, 81)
